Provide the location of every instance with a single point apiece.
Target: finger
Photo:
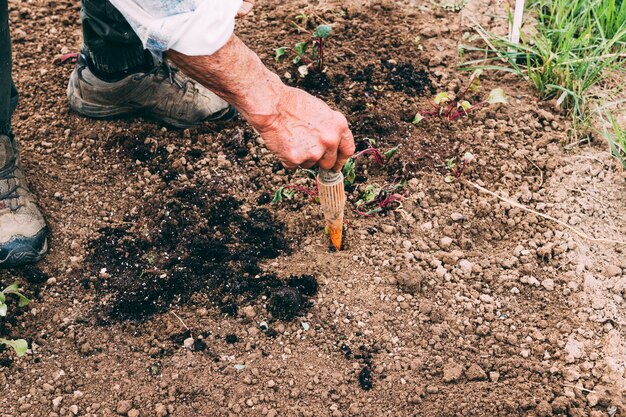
(245, 8)
(328, 160)
(345, 150)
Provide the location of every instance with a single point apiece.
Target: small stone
(452, 372)
(613, 270)
(457, 217)
(188, 343)
(574, 348)
(123, 407)
(407, 244)
(271, 383)
(133, 413)
(548, 284)
(160, 410)
(56, 403)
(475, 373)
(445, 242)
(388, 229)
(51, 281)
(249, 312)
(74, 409)
(494, 376)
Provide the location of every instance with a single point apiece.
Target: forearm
(236, 74)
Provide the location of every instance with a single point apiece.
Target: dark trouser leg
(109, 42)
(8, 93)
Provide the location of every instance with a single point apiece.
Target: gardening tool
(333, 200)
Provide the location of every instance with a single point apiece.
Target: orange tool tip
(336, 233)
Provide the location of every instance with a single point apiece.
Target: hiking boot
(160, 93)
(23, 231)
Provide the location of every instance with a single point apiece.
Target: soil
(174, 287)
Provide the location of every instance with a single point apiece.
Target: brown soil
(173, 286)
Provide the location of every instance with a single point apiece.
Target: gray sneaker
(23, 231)
(161, 94)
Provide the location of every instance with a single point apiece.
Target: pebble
(388, 229)
(457, 217)
(57, 402)
(160, 410)
(475, 373)
(548, 284)
(407, 244)
(494, 376)
(452, 372)
(74, 409)
(133, 413)
(124, 406)
(613, 270)
(445, 242)
(188, 343)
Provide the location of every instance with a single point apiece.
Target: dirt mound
(197, 240)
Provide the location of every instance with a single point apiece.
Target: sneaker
(161, 93)
(23, 231)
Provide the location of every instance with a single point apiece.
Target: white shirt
(191, 27)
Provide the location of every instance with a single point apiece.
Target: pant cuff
(121, 60)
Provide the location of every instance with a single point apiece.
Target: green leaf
(451, 163)
(465, 105)
(441, 98)
(3, 310)
(497, 96)
(280, 52)
(449, 179)
(370, 194)
(322, 32)
(475, 80)
(15, 290)
(370, 141)
(418, 118)
(278, 196)
(391, 152)
(2, 297)
(289, 194)
(300, 48)
(20, 345)
(349, 173)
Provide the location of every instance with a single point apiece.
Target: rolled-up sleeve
(191, 27)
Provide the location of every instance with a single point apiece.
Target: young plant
(20, 345)
(376, 198)
(456, 168)
(615, 137)
(448, 107)
(287, 192)
(381, 158)
(309, 53)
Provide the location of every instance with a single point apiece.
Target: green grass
(575, 45)
(615, 137)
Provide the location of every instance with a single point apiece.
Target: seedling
(310, 53)
(377, 198)
(287, 192)
(456, 168)
(448, 107)
(381, 158)
(20, 345)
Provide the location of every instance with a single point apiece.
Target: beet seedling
(449, 108)
(310, 53)
(20, 346)
(377, 198)
(287, 192)
(381, 158)
(455, 169)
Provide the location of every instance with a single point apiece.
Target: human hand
(245, 8)
(303, 131)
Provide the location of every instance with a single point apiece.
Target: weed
(19, 345)
(615, 137)
(381, 158)
(449, 108)
(573, 48)
(309, 53)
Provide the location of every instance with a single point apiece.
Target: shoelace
(6, 173)
(170, 75)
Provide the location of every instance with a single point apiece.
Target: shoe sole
(21, 250)
(101, 111)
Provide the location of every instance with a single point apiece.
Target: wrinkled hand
(245, 8)
(303, 131)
